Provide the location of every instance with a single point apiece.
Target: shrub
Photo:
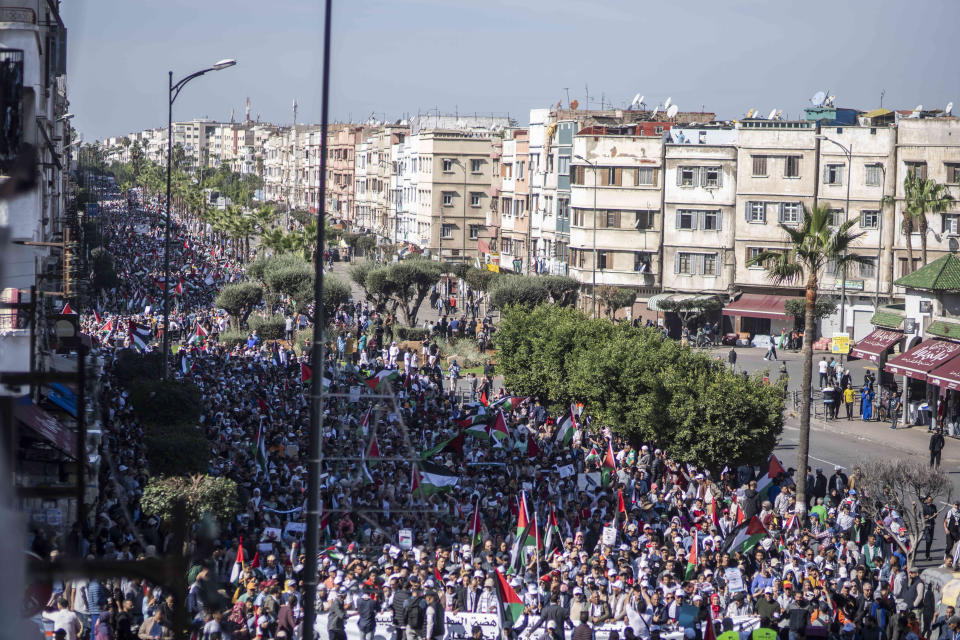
(232, 338)
(414, 334)
(201, 495)
(518, 290)
(300, 340)
(269, 328)
(465, 351)
(239, 300)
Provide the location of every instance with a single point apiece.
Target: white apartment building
(405, 186)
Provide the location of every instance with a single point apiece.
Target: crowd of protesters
(677, 565)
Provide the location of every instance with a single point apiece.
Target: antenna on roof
(948, 109)
(773, 114)
(666, 103)
(829, 102)
(673, 111)
(655, 110)
(818, 98)
(637, 100)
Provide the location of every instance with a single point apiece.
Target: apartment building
(404, 183)
(453, 183)
(341, 150)
(514, 197)
(616, 187)
(699, 210)
(373, 180)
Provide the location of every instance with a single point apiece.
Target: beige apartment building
(453, 183)
(373, 176)
(616, 200)
(341, 157)
(515, 207)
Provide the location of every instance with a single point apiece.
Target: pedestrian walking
(732, 358)
(848, 397)
(936, 447)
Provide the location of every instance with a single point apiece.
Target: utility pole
(296, 160)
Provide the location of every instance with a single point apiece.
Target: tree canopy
(239, 300)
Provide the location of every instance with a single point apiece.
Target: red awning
(946, 376)
(875, 344)
(46, 426)
(923, 358)
(756, 306)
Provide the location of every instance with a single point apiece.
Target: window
(563, 208)
(950, 223)
(506, 246)
(577, 258)
(759, 166)
(563, 165)
(475, 231)
(578, 217)
(475, 199)
(752, 254)
(476, 165)
(577, 175)
(873, 175)
(756, 212)
(709, 264)
(686, 219)
(446, 231)
(520, 168)
(953, 172)
(711, 220)
(604, 259)
(835, 215)
(646, 177)
(687, 176)
(685, 263)
(642, 261)
(610, 219)
(448, 198)
(644, 220)
(833, 174)
(868, 269)
(869, 219)
(903, 266)
(790, 212)
(710, 177)
(919, 169)
(611, 176)
(791, 167)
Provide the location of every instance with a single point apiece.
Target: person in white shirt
(65, 620)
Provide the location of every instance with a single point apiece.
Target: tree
(814, 244)
(691, 308)
(406, 284)
(358, 271)
(615, 298)
(201, 495)
(239, 300)
(923, 196)
(522, 290)
(480, 279)
(797, 307)
(104, 274)
(902, 486)
(563, 289)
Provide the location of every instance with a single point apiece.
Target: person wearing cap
(488, 602)
(337, 619)
(599, 610)
(434, 617)
(768, 609)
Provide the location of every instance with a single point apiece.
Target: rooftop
(943, 274)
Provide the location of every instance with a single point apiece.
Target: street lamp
(848, 152)
(595, 182)
(172, 93)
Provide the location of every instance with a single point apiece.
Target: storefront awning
(653, 303)
(923, 358)
(875, 344)
(946, 376)
(757, 306)
(46, 426)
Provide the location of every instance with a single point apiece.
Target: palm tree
(814, 245)
(920, 197)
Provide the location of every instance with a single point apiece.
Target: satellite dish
(666, 104)
(573, 105)
(749, 114)
(673, 111)
(949, 108)
(640, 100)
(655, 110)
(830, 100)
(779, 113)
(635, 101)
(818, 98)
(773, 114)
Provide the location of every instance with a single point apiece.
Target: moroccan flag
(692, 558)
(745, 536)
(774, 469)
(237, 570)
(511, 602)
(499, 428)
(476, 527)
(565, 428)
(306, 373)
(609, 466)
(68, 310)
(385, 375)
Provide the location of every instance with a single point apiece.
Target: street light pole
(173, 90)
(596, 180)
(848, 152)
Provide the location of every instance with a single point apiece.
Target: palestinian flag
(565, 428)
(773, 471)
(260, 449)
(385, 375)
(107, 328)
(476, 528)
(331, 552)
(237, 570)
(178, 290)
(745, 536)
(483, 399)
(429, 478)
(532, 449)
(306, 373)
(523, 522)
(139, 335)
(509, 600)
(692, 559)
(621, 507)
(454, 444)
(499, 428)
(553, 532)
(373, 450)
(364, 425)
(609, 466)
(67, 310)
(199, 334)
(96, 317)
(516, 552)
(513, 401)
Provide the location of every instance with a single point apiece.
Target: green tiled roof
(887, 318)
(944, 329)
(943, 274)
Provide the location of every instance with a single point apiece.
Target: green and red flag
(380, 377)
(499, 428)
(476, 527)
(773, 471)
(692, 559)
(431, 478)
(745, 536)
(512, 605)
(373, 451)
(454, 444)
(566, 426)
(553, 532)
(306, 373)
(609, 466)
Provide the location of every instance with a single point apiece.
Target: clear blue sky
(396, 57)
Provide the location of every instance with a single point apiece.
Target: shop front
(920, 390)
(756, 318)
